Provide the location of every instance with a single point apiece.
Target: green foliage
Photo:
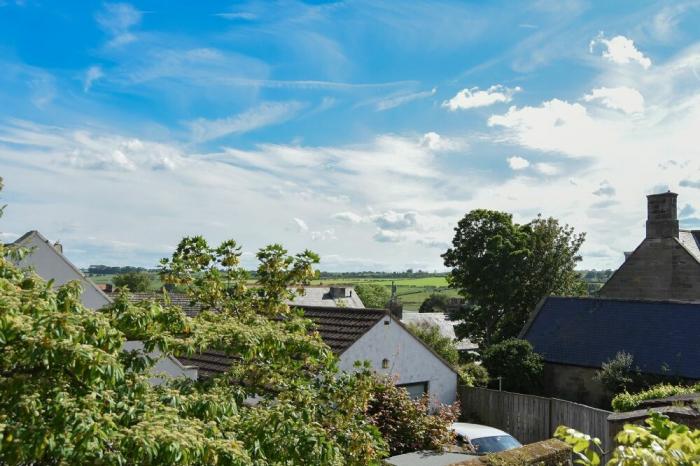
(474, 375)
(408, 425)
(503, 269)
(373, 295)
(134, 281)
(518, 364)
(631, 401)
(442, 345)
(436, 302)
(70, 395)
(660, 442)
(619, 373)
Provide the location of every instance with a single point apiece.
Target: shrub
(517, 363)
(474, 375)
(631, 401)
(436, 302)
(373, 295)
(407, 425)
(660, 442)
(619, 373)
(442, 345)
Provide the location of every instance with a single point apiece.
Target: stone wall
(574, 383)
(551, 452)
(660, 268)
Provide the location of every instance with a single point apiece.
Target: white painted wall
(49, 264)
(409, 360)
(166, 365)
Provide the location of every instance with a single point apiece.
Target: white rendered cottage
(372, 335)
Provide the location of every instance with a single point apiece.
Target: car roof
(428, 458)
(476, 430)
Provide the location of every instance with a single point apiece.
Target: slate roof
(590, 331)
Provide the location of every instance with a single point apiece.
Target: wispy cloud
(401, 99)
(91, 75)
(622, 98)
(266, 114)
(117, 20)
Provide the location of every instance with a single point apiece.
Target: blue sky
(360, 130)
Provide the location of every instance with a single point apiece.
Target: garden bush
(631, 401)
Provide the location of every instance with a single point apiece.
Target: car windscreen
(494, 444)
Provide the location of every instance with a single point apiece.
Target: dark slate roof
(590, 331)
(208, 363)
(341, 327)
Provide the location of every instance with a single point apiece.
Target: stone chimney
(662, 215)
(58, 246)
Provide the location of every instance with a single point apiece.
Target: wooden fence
(533, 418)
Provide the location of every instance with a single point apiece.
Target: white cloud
(546, 168)
(473, 98)
(391, 220)
(265, 114)
(622, 98)
(300, 224)
(348, 217)
(605, 189)
(323, 235)
(518, 163)
(387, 236)
(436, 142)
(91, 75)
(117, 20)
(621, 50)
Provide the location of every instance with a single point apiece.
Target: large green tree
(133, 280)
(373, 295)
(70, 395)
(503, 269)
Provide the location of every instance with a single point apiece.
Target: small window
(416, 389)
(385, 363)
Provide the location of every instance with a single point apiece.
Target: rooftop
(662, 336)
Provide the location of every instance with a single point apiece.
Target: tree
(517, 363)
(442, 345)
(503, 269)
(373, 295)
(436, 302)
(409, 425)
(135, 281)
(70, 395)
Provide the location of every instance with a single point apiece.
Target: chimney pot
(58, 246)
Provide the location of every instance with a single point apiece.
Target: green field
(411, 291)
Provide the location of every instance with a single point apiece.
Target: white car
(483, 439)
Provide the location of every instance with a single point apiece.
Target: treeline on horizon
(589, 275)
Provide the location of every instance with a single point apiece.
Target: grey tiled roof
(320, 296)
(590, 331)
